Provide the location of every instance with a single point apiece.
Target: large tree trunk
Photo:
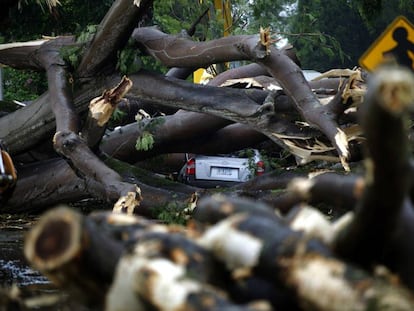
(46, 55)
(232, 245)
(178, 51)
(61, 113)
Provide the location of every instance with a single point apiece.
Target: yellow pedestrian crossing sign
(395, 43)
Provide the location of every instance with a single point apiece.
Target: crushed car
(221, 170)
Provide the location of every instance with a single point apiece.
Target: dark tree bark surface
(384, 215)
(258, 241)
(210, 110)
(174, 51)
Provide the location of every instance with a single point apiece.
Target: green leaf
(328, 51)
(145, 142)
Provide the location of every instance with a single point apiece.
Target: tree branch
(382, 227)
(181, 52)
(113, 33)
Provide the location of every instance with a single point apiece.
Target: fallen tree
(236, 252)
(61, 115)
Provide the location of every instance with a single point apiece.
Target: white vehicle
(213, 171)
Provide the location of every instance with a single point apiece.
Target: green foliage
(71, 55)
(173, 213)
(118, 115)
(30, 22)
(128, 61)
(149, 63)
(23, 85)
(117, 118)
(249, 16)
(368, 8)
(335, 33)
(377, 14)
(87, 34)
(318, 32)
(145, 142)
(172, 16)
(71, 17)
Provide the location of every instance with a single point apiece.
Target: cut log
(70, 250)
(382, 229)
(256, 245)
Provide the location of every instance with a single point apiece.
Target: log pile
(289, 112)
(239, 254)
(235, 254)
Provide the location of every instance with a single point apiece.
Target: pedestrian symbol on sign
(404, 46)
(396, 43)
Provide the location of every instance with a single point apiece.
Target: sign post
(396, 43)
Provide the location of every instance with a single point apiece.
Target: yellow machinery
(223, 12)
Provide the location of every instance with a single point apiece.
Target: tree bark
(71, 252)
(382, 226)
(178, 51)
(272, 251)
(65, 105)
(234, 246)
(113, 33)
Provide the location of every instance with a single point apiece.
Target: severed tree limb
(239, 247)
(269, 249)
(46, 183)
(151, 246)
(268, 181)
(25, 128)
(246, 71)
(223, 102)
(80, 254)
(101, 110)
(168, 272)
(180, 94)
(70, 250)
(382, 228)
(66, 140)
(170, 134)
(250, 70)
(177, 51)
(212, 209)
(47, 57)
(59, 87)
(340, 191)
(85, 163)
(21, 55)
(185, 72)
(228, 104)
(30, 56)
(37, 118)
